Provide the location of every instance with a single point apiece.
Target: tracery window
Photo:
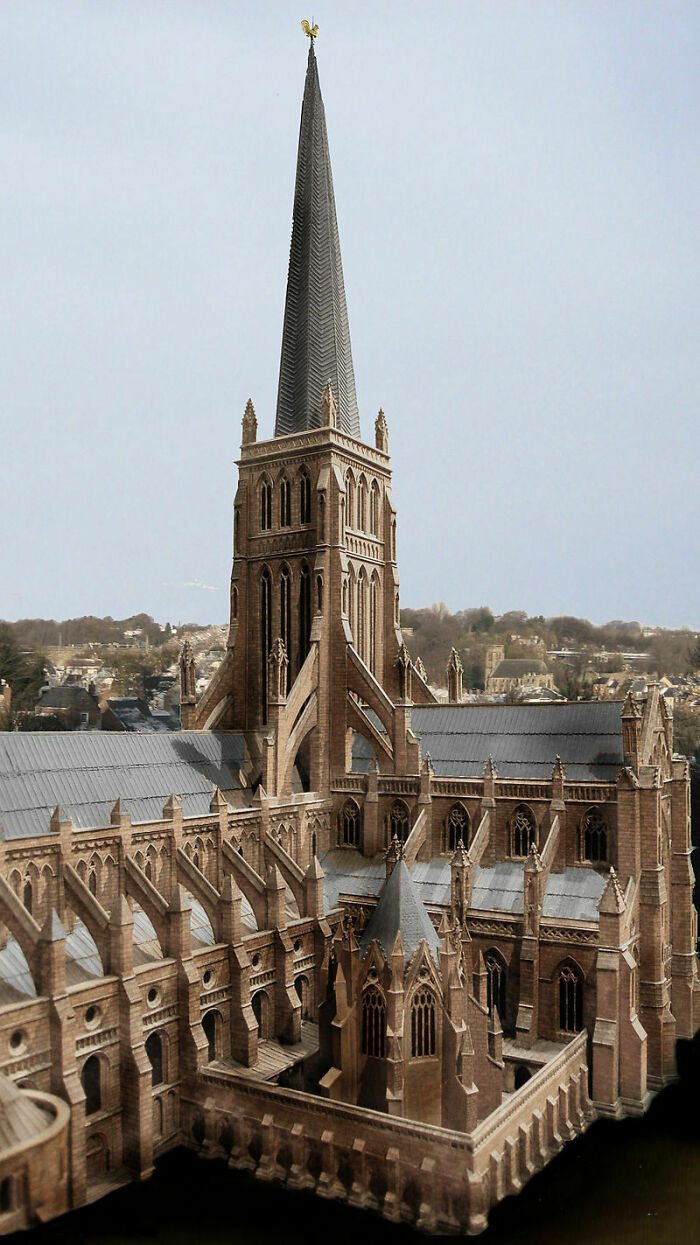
(304, 498)
(495, 983)
(265, 505)
(595, 836)
(457, 827)
(423, 1023)
(570, 999)
(398, 821)
(373, 1023)
(522, 826)
(351, 823)
(285, 502)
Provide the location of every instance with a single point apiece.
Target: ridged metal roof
(86, 772)
(522, 740)
(316, 333)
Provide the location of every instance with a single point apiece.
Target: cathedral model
(334, 932)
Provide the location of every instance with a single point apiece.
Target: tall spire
(316, 334)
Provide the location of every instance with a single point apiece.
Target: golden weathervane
(309, 31)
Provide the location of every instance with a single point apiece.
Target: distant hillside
(39, 634)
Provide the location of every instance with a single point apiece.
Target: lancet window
(570, 999)
(304, 498)
(495, 983)
(373, 1023)
(374, 509)
(304, 613)
(265, 634)
(91, 1081)
(361, 504)
(285, 502)
(522, 830)
(265, 505)
(350, 499)
(285, 607)
(423, 1023)
(594, 836)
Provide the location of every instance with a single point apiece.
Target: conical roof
(400, 908)
(316, 334)
(20, 1119)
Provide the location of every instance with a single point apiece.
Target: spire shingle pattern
(316, 334)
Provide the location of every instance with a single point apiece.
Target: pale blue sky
(517, 187)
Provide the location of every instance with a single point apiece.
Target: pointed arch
(594, 836)
(349, 498)
(285, 492)
(285, 628)
(352, 601)
(361, 504)
(423, 1023)
(265, 491)
(523, 829)
(457, 826)
(304, 612)
(496, 982)
(304, 496)
(351, 824)
(569, 978)
(265, 633)
(399, 821)
(361, 639)
(373, 629)
(374, 509)
(373, 1022)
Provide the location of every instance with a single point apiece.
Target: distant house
(72, 704)
(504, 675)
(129, 713)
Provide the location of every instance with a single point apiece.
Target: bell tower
(314, 565)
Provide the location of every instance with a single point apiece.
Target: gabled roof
(85, 773)
(516, 667)
(65, 696)
(316, 333)
(523, 740)
(400, 908)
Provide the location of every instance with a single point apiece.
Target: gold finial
(310, 31)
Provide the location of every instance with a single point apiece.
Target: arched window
(570, 999)
(5, 1196)
(149, 870)
(522, 1076)
(154, 1051)
(374, 509)
(27, 896)
(595, 836)
(373, 622)
(361, 504)
(265, 505)
(261, 1010)
(304, 613)
(265, 634)
(350, 499)
(321, 516)
(314, 843)
(91, 1081)
(351, 823)
(393, 540)
(234, 602)
(495, 983)
(373, 1023)
(522, 830)
(319, 593)
(211, 1024)
(352, 599)
(457, 827)
(236, 529)
(362, 615)
(286, 608)
(423, 1023)
(301, 986)
(398, 821)
(304, 498)
(92, 882)
(285, 502)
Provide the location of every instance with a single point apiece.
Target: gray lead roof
(86, 772)
(522, 740)
(316, 333)
(400, 908)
